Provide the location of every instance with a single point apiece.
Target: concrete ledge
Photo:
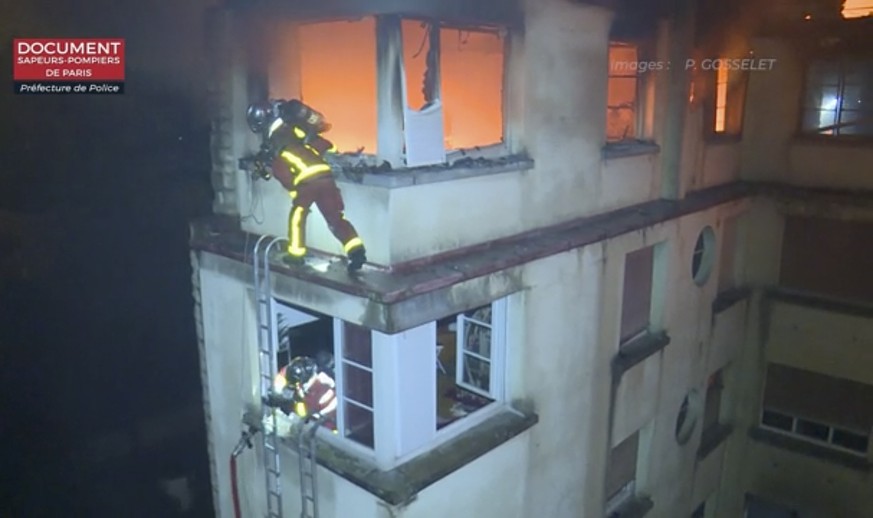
(778, 440)
(406, 281)
(400, 485)
(626, 149)
(727, 299)
(814, 301)
(459, 170)
(636, 350)
(636, 507)
(712, 438)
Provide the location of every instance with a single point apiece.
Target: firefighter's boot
(293, 260)
(357, 258)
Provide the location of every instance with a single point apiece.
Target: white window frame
(339, 377)
(497, 351)
(399, 435)
(827, 443)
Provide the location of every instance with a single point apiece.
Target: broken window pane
(471, 69)
(621, 107)
(418, 61)
(338, 78)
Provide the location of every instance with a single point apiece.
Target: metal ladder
(307, 451)
(267, 362)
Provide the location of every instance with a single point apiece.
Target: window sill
(831, 140)
(635, 350)
(778, 440)
(635, 507)
(729, 298)
(458, 170)
(724, 138)
(629, 148)
(401, 484)
(712, 438)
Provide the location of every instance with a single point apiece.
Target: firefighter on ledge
(291, 132)
(301, 388)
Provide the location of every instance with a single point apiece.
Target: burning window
(839, 98)
(857, 8)
(332, 67)
(464, 70)
(621, 107)
(729, 101)
(472, 87)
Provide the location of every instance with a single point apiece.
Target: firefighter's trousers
(324, 193)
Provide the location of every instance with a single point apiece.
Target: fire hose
(245, 441)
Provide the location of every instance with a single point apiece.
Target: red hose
(234, 488)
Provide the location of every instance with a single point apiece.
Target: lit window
(323, 338)
(621, 106)
(355, 382)
(472, 344)
(471, 68)
(729, 101)
(721, 86)
(435, 375)
(839, 98)
(857, 8)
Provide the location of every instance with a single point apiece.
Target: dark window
(850, 440)
(839, 98)
(622, 468)
(727, 277)
(712, 408)
(819, 398)
(703, 257)
(357, 400)
(777, 420)
(637, 294)
(812, 430)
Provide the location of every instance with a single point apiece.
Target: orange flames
(332, 67)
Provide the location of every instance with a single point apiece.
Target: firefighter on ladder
(293, 134)
(303, 389)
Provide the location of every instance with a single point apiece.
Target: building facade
(618, 261)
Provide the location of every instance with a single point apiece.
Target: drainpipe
(245, 441)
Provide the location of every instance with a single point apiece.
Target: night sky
(95, 197)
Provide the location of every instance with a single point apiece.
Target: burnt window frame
(645, 80)
(436, 88)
